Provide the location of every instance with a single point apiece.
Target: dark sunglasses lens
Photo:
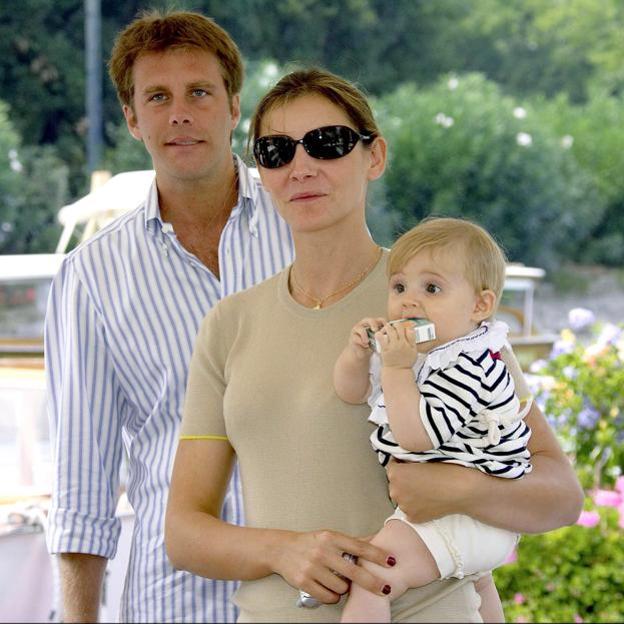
(330, 142)
(272, 152)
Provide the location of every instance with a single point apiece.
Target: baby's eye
(432, 288)
(398, 288)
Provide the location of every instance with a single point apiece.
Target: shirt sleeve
(203, 415)
(84, 404)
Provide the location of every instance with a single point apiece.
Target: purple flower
(609, 334)
(561, 347)
(588, 416)
(588, 519)
(607, 498)
(580, 318)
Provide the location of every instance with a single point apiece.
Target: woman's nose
(302, 165)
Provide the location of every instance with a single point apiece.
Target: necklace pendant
(317, 306)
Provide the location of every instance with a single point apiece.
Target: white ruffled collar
(490, 335)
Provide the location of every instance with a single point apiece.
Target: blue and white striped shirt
(122, 317)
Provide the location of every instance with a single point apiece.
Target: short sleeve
(202, 415)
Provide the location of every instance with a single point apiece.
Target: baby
(448, 399)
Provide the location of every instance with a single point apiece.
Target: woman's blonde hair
(483, 259)
(316, 81)
(154, 31)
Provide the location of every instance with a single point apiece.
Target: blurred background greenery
(507, 111)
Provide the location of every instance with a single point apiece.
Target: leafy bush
(463, 148)
(574, 574)
(594, 132)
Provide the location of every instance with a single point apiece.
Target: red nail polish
(391, 561)
(386, 590)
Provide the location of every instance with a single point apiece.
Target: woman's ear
(485, 303)
(378, 155)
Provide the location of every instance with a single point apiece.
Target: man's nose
(180, 114)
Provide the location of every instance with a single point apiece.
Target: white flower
(567, 141)
(14, 162)
(519, 112)
(453, 83)
(442, 120)
(524, 139)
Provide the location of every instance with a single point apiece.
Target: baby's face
(432, 285)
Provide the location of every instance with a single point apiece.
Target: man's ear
(235, 110)
(485, 302)
(131, 122)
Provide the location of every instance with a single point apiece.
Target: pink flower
(512, 557)
(578, 619)
(621, 518)
(518, 598)
(521, 619)
(588, 519)
(607, 498)
(619, 485)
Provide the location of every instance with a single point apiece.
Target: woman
(260, 391)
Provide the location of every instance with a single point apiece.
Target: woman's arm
(198, 541)
(547, 498)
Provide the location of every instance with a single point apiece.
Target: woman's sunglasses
(326, 143)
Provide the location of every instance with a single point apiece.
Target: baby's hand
(358, 339)
(398, 347)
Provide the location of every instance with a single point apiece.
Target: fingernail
(391, 561)
(386, 589)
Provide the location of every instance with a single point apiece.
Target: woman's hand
(313, 562)
(428, 490)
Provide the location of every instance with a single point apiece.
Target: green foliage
(581, 392)
(594, 132)
(463, 148)
(33, 186)
(127, 153)
(9, 175)
(574, 574)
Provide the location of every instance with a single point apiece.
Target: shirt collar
(248, 182)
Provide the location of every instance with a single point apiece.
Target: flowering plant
(576, 573)
(573, 574)
(581, 390)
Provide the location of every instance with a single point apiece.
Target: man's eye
(432, 288)
(156, 97)
(199, 92)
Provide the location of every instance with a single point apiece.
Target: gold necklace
(320, 301)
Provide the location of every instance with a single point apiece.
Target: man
(125, 307)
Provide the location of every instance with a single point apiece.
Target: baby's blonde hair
(483, 259)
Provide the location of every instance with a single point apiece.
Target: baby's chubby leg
(415, 567)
